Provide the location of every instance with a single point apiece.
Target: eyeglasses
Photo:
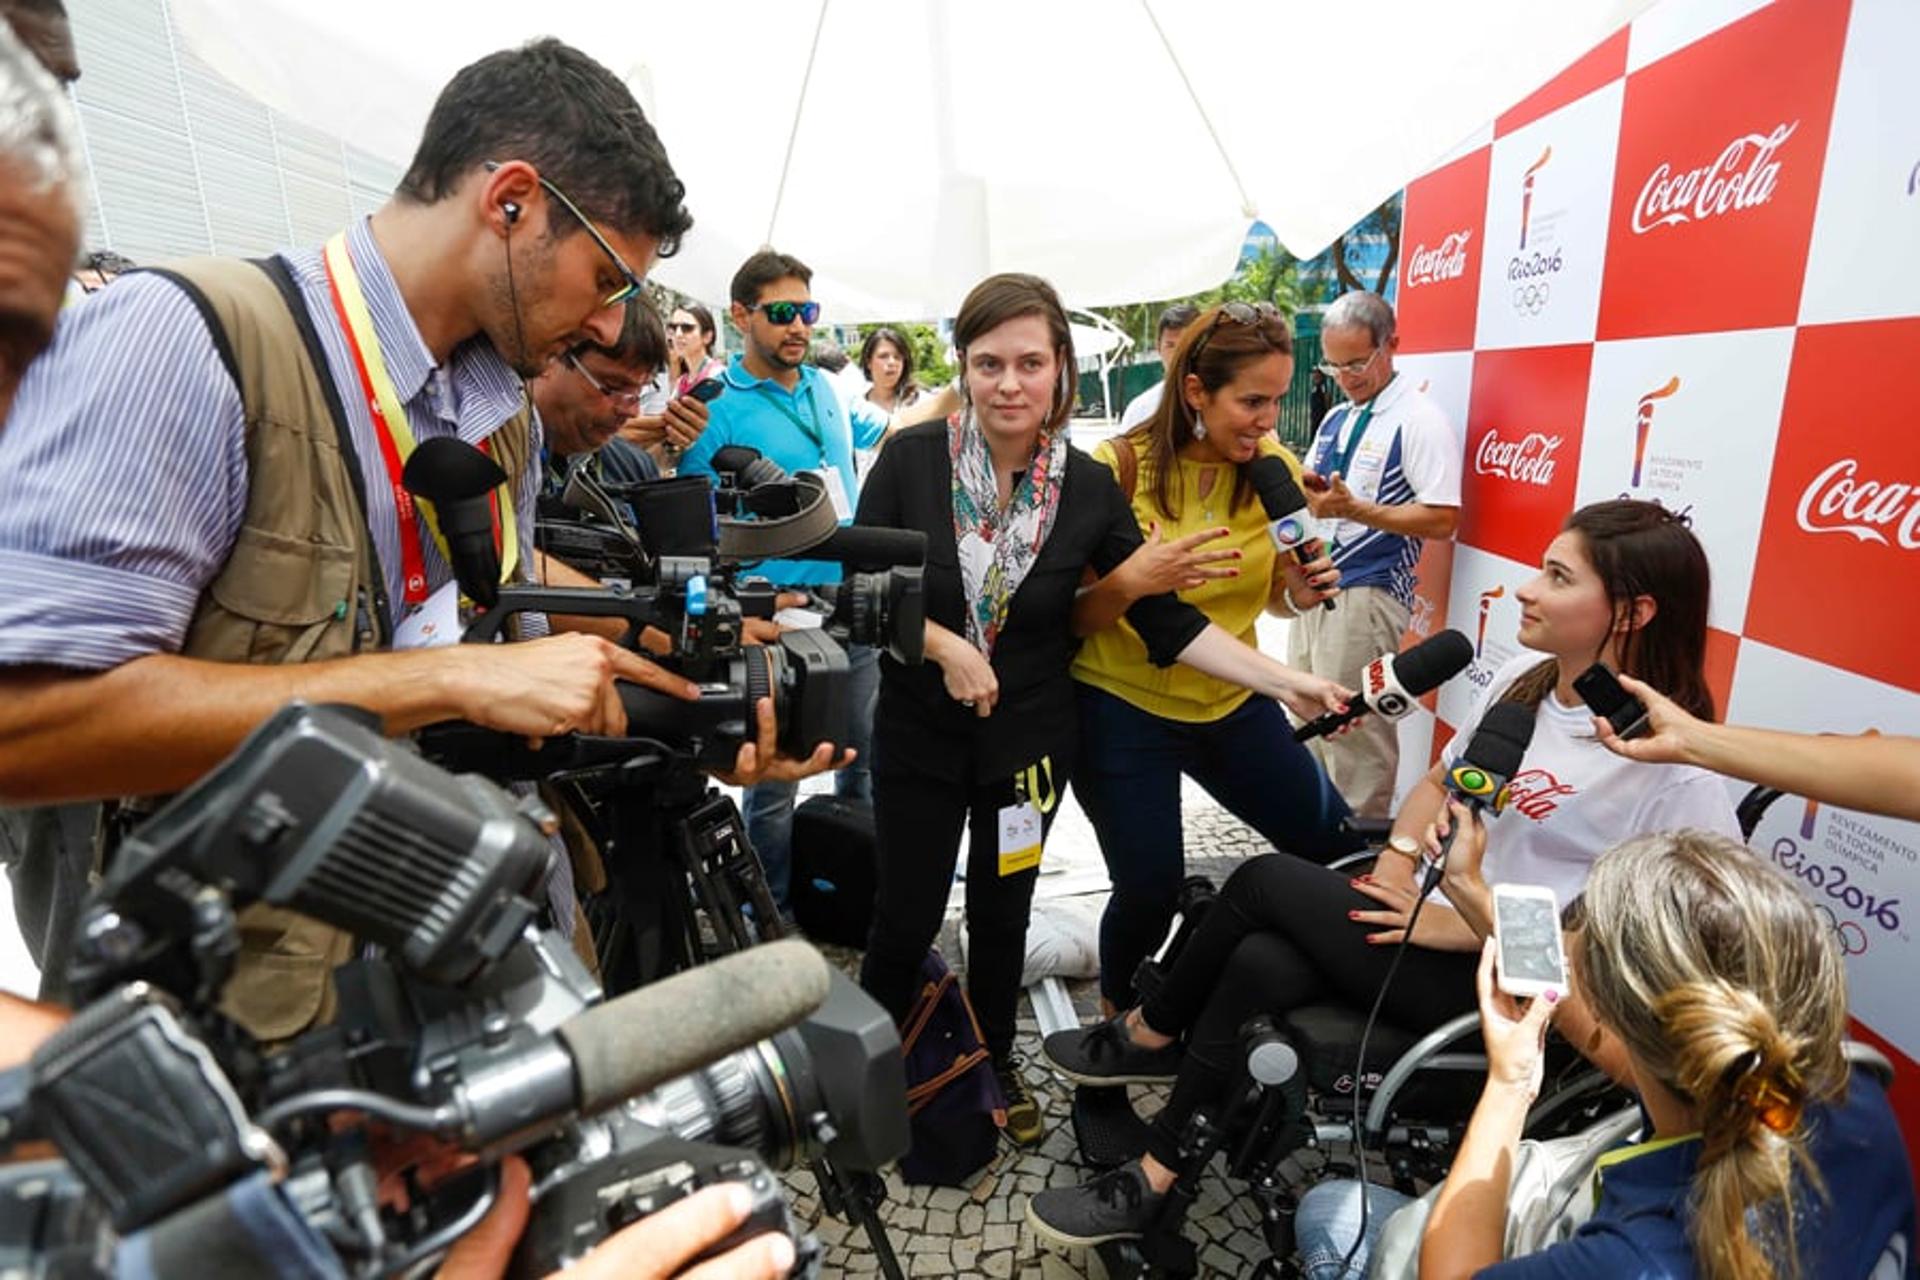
(784, 312)
(1257, 316)
(625, 394)
(681, 326)
(1351, 368)
(632, 285)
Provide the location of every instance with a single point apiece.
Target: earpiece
(512, 211)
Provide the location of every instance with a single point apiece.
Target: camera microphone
(457, 479)
(1392, 683)
(1291, 526)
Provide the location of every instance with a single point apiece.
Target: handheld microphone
(1292, 525)
(1392, 683)
(1481, 774)
(457, 478)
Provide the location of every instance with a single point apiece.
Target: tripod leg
(841, 1196)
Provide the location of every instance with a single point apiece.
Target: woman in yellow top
(1142, 726)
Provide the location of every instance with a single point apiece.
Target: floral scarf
(998, 547)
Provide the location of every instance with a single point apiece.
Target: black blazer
(917, 726)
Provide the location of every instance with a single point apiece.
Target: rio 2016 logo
(1828, 883)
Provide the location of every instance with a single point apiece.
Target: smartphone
(1604, 697)
(707, 390)
(1530, 960)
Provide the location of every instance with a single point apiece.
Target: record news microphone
(1481, 774)
(1392, 683)
(1290, 522)
(458, 480)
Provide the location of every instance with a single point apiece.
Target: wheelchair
(1298, 1101)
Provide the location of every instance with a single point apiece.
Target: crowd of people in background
(1090, 626)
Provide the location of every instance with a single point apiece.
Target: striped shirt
(1408, 454)
(123, 468)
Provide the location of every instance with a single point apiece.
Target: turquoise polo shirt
(798, 430)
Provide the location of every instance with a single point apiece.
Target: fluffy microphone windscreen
(668, 1028)
(447, 469)
(1501, 740)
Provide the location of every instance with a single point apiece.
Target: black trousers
(1278, 938)
(917, 821)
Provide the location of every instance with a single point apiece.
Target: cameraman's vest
(302, 582)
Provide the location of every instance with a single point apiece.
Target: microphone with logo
(1290, 525)
(1393, 683)
(1480, 775)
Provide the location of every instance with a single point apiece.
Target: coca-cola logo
(1742, 176)
(1528, 460)
(1537, 793)
(1836, 501)
(1446, 261)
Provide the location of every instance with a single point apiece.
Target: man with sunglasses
(779, 404)
(1384, 475)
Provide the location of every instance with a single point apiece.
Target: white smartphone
(1530, 959)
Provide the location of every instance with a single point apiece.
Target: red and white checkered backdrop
(1688, 270)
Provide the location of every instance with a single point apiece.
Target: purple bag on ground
(954, 1103)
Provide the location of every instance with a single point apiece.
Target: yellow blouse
(1116, 660)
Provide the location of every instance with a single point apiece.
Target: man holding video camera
(254, 542)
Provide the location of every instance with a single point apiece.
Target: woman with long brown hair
(1624, 583)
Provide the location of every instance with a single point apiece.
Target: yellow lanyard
(390, 425)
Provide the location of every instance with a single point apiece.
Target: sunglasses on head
(1258, 316)
(784, 312)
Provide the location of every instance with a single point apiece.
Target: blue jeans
(769, 805)
(1128, 781)
(1327, 1221)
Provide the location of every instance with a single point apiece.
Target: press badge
(837, 491)
(434, 623)
(1020, 822)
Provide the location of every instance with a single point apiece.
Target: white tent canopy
(906, 148)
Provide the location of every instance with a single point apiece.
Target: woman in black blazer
(985, 729)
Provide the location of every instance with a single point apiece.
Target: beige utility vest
(302, 582)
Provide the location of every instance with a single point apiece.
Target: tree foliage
(1271, 275)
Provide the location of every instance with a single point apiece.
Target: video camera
(461, 1020)
(684, 561)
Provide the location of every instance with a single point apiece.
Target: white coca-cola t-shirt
(1573, 799)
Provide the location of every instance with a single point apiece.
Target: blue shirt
(1639, 1228)
(123, 468)
(798, 430)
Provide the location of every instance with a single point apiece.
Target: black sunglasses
(1254, 315)
(784, 312)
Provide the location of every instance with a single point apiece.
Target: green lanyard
(810, 430)
(1359, 430)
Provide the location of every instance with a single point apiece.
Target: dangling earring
(1199, 428)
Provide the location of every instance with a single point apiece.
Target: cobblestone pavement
(981, 1229)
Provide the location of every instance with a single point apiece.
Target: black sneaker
(1026, 1124)
(1105, 1054)
(1115, 1206)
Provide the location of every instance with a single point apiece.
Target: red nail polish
(1353, 915)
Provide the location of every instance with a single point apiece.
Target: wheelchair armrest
(1426, 1052)
(1864, 1057)
(1354, 861)
(1372, 830)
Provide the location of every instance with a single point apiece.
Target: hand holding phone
(707, 390)
(1530, 959)
(1601, 691)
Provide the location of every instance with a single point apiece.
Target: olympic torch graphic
(1526, 192)
(1486, 606)
(1647, 403)
(1806, 819)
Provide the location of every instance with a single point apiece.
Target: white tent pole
(1247, 206)
(793, 134)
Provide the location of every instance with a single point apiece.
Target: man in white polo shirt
(1385, 474)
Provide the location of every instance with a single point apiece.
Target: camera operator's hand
(653, 1248)
(761, 761)
(968, 675)
(559, 684)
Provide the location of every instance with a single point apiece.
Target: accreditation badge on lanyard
(1021, 825)
(391, 429)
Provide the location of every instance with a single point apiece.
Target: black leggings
(1278, 938)
(917, 822)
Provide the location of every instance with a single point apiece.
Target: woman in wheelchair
(1717, 988)
(1624, 583)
